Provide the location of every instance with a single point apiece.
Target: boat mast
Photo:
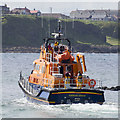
(59, 28)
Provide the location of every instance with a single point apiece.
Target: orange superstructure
(55, 61)
(51, 67)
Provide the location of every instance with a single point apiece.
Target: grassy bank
(112, 41)
(22, 30)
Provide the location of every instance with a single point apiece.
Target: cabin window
(36, 67)
(44, 95)
(36, 80)
(42, 53)
(43, 69)
(61, 69)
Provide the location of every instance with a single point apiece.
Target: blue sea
(100, 66)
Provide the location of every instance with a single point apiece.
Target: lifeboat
(58, 76)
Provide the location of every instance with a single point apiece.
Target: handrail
(53, 55)
(59, 84)
(50, 83)
(49, 57)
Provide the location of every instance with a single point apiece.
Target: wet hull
(65, 96)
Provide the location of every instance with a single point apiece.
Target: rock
(113, 88)
(118, 87)
(108, 89)
(104, 87)
(99, 88)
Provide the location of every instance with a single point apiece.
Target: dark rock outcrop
(95, 49)
(117, 88)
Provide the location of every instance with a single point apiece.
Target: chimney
(5, 5)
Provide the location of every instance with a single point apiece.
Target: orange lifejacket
(64, 56)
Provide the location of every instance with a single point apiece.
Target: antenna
(58, 34)
(51, 10)
(59, 27)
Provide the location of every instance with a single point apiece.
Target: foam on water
(65, 111)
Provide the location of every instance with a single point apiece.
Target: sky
(60, 0)
(61, 6)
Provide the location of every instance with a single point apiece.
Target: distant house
(114, 14)
(80, 14)
(114, 18)
(4, 9)
(99, 15)
(24, 11)
(85, 14)
(35, 12)
(94, 14)
(75, 14)
(55, 15)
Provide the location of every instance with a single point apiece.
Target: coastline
(77, 48)
(21, 49)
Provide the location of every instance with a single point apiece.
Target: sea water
(102, 67)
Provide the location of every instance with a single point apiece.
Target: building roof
(114, 16)
(34, 11)
(80, 14)
(98, 16)
(4, 7)
(21, 9)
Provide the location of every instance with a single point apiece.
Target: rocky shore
(77, 48)
(20, 50)
(117, 88)
(96, 49)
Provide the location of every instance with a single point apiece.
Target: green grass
(112, 41)
(23, 16)
(90, 21)
(84, 43)
(27, 30)
(3, 19)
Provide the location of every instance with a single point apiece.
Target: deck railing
(53, 58)
(61, 84)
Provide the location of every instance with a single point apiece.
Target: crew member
(67, 74)
(79, 76)
(61, 49)
(56, 43)
(49, 48)
(67, 79)
(56, 46)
